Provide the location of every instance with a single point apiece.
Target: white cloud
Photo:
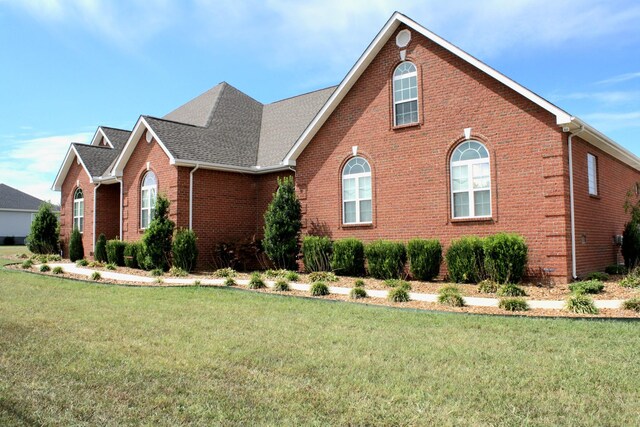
(607, 97)
(619, 79)
(611, 121)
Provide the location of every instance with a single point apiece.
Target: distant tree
(76, 250)
(101, 248)
(45, 233)
(157, 238)
(282, 223)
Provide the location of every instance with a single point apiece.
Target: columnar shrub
(282, 223)
(115, 252)
(425, 257)
(465, 260)
(101, 249)
(631, 243)
(316, 253)
(157, 238)
(386, 259)
(76, 250)
(45, 232)
(131, 254)
(348, 257)
(505, 257)
(184, 249)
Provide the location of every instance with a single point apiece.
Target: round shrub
(632, 304)
(425, 257)
(44, 268)
(82, 263)
(58, 270)
(131, 254)
(281, 286)
(505, 257)
(101, 249)
(513, 304)
(597, 275)
(96, 276)
(386, 259)
(399, 294)
(316, 253)
(229, 281)
(359, 283)
(511, 290)
(27, 264)
(581, 304)
(291, 276)
(256, 282)
(348, 257)
(177, 272)
(319, 289)
(184, 249)
(357, 293)
(76, 250)
(465, 260)
(225, 272)
(157, 272)
(487, 286)
(450, 295)
(587, 287)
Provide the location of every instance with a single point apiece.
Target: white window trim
(470, 190)
(77, 218)
(592, 174)
(357, 199)
(147, 189)
(395, 103)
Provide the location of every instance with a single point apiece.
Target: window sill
(358, 225)
(594, 196)
(467, 220)
(405, 126)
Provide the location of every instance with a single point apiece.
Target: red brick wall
(108, 211)
(76, 178)
(410, 166)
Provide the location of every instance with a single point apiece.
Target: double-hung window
(148, 193)
(405, 94)
(356, 192)
(470, 181)
(78, 210)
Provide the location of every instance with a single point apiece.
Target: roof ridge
(173, 121)
(216, 102)
(112, 128)
(302, 94)
(91, 146)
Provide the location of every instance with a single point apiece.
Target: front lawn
(78, 353)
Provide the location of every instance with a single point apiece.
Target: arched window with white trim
(470, 181)
(356, 192)
(405, 94)
(78, 210)
(148, 194)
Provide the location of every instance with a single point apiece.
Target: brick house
(420, 139)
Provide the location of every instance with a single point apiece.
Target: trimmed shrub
(511, 290)
(157, 237)
(319, 289)
(396, 283)
(229, 281)
(184, 249)
(27, 264)
(631, 244)
(76, 250)
(632, 304)
(357, 293)
(44, 235)
(101, 249)
(359, 283)
(225, 272)
(348, 257)
(131, 254)
(505, 257)
(316, 253)
(44, 268)
(111, 267)
(386, 259)
(57, 270)
(488, 286)
(282, 223)
(96, 276)
(323, 276)
(141, 257)
(399, 294)
(465, 260)
(115, 252)
(281, 286)
(156, 272)
(581, 304)
(615, 269)
(82, 263)
(177, 272)
(513, 304)
(256, 282)
(450, 295)
(587, 287)
(597, 275)
(292, 276)
(425, 257)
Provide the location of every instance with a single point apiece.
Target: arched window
(470, 181)
(78, 210)
(148, 192)
(356, 192)
(405, 94)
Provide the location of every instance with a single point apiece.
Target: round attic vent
(149, 137)
(403, 38)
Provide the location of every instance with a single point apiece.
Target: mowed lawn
(73, 353)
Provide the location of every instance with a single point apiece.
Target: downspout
(121, 192)
(191, 195)
(572, 204)
(95, 193)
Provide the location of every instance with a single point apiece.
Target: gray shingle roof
(198, 111)
(117, 137)
(10, 198)
(96, 159)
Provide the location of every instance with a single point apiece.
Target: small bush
(348, 257)
(359, 283)
(159, 280)
(256, 282)
(323, 276)
(281, 286)
(631, 280)
(511, 290)
(276, 274)
(597, 275)
(465, 260)
(581, 304)
(57, 270)
(316, 253)
(386, 259)
(111, 267)
(82, 263)
(425, 257)
(488, 286)
(225, 272)
(587, 287)
(54, 257)
(229, 281)
(95, 264)
(184, 249)
(96, 276)
(399, 294)
(177, 272)
(450, 295)
(292, 276)
(23, 256)
(156, 272)
(632, 304)
(27, 264)
(319, 289)
(357, 293)
(615, 269)
(101, 249)
(76, 250)
(131, 254)
(505, 257)
(197, 283)
(44, 268)
(115, 252)
(513, 304)
(397, 283)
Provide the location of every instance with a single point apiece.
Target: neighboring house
(17, 210)
(420, 139)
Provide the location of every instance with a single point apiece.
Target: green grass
(76, 353)
(7, 251)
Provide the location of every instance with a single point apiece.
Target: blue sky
(68, 66)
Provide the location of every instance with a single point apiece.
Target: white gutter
(191, 195)
(121, 192)
(572, 204)
(95, 193)
(228, 168)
